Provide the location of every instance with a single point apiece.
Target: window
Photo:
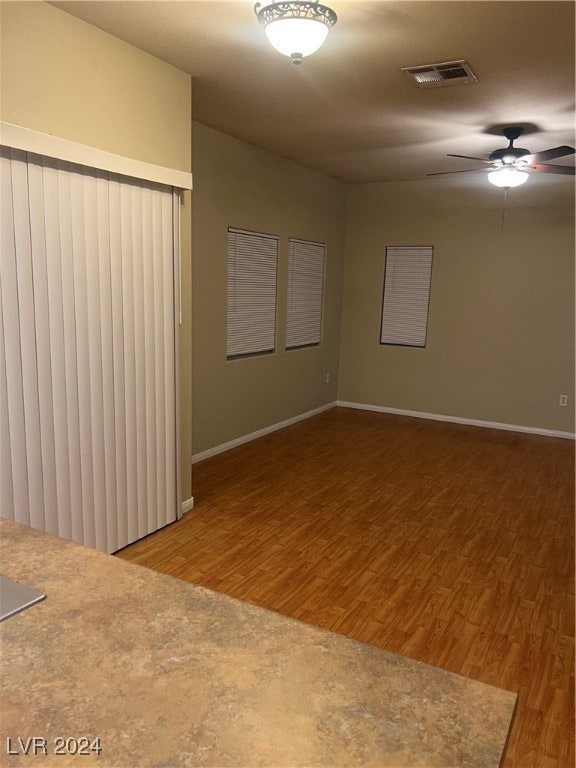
(406, 295)
(305, 291)
(251, 307)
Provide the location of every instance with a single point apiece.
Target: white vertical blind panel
(28, 344)
(251, 306)
(6, 485)
(157, 301)
(7, 501)
(139, 348)
(108, 470)
(88, 409)
(149, 350)
(61, 211)
(28, 348)
(61, 407)
(406, 295)
(42, 330)
(122, 464)
(305, 293)
(13, 434)
(93, 256)
(171, 274)
(129, 360)
(80, 255)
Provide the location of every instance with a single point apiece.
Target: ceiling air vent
(441, 75)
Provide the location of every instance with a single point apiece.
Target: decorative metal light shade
(507, 177)
(296, 28)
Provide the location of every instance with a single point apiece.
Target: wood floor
(450, 544)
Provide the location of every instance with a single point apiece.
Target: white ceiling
(348, 110)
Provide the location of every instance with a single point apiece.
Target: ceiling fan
(510, 166)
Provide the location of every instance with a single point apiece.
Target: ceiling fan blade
(467, 157)
(551, 154)
(567, 170)
(466, 170)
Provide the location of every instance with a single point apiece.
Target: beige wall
(501, 323)
(239, 185)
(62, 76)
(501, 335)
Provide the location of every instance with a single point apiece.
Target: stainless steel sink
(16, 597)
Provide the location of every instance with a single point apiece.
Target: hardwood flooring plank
(451, 544)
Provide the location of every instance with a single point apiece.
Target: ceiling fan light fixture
(296, 28)
(508, 164)
(507, 177)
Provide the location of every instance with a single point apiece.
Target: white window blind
(305, 293)
(87, 351)
(406, 295)
(251, 306)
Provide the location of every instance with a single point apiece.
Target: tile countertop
(167, 673)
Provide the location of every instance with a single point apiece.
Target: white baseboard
(259, 433)
(187, 505)
(458, 420)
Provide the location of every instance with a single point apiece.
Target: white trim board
(457, 420)
(18, 137)
(187, 505)
(259, 433)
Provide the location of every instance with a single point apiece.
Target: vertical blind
(87, 351)
(305, 293)
(406, 295)
(251, 305)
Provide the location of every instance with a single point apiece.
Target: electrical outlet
(563, 400)
(327, 378)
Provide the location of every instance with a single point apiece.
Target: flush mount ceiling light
(296, 28)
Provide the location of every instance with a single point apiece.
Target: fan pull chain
(504, 208)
